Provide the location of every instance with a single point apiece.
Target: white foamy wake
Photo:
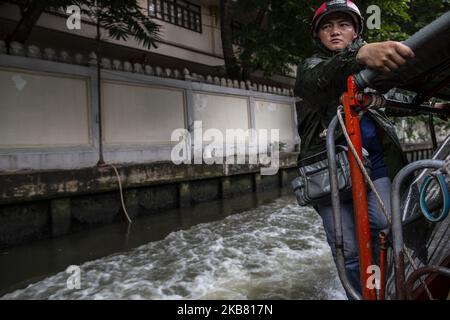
(276, 251)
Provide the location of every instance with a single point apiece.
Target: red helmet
(331, 6)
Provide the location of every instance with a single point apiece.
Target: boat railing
(416, 152)
(335, 202)
(403, 286)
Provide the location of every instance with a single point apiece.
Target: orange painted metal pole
(359, 191)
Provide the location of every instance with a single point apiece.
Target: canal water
(257, 246)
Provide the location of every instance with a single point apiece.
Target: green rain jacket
(321, 80)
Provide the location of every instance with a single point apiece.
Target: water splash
(275, 251)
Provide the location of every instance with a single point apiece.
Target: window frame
(185, 14)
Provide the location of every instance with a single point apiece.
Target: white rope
(377, 195)
(121, 193)
(447, 165)
(361, 166)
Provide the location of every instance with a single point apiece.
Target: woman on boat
(340, 52)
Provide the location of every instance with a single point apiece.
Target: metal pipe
(397, 231)
(415, 109)
(420, 272)
(432, 132)
(440, 25)
(335, 202)
(383, 259)
(101, 161)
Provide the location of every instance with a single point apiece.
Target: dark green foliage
(276, 33)
(120, 18)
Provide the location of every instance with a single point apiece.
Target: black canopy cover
(428, 74)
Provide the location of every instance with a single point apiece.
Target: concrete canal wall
(46, 204)
(50, 183)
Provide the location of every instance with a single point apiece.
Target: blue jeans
(377, 220)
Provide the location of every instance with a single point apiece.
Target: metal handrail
(396, 229)
(420, 272)
(335, 202)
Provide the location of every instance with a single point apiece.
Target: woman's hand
(384, 56)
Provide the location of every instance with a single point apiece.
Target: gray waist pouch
(312, 186)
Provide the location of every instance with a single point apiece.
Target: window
(178, 12)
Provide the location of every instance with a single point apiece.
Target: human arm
(322, 79)
(384, 56)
